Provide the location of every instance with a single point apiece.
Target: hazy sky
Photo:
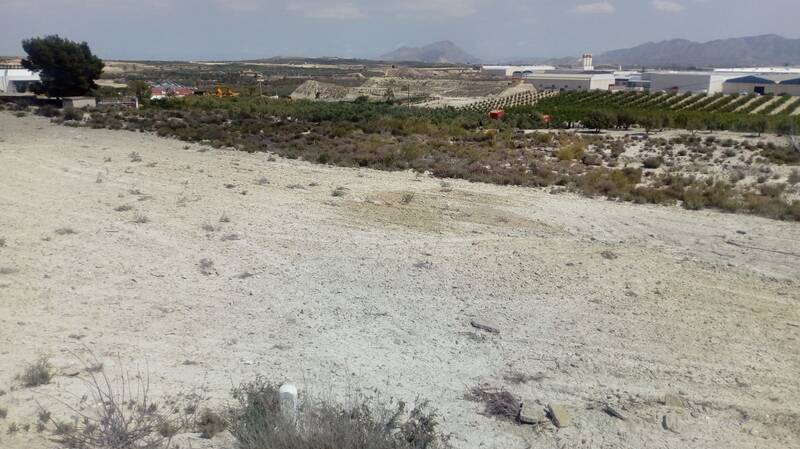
(489, 29)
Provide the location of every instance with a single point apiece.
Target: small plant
(7, 270)
(498, 402)
(210, 424)
(135, 157)
(407, 198)
(224, 218)
(123, 208)
(339, 191)
(230, 237)
(446, 187)
(140, 219)
(13, 428)
(3, 412)
(794, 178)
(2, 242)
(262, 181)
(652, 162)
(37, 373)
(207, 267)
(65, 231)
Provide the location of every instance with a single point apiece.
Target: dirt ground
(374, 290)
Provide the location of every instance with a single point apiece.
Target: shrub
(37, 373)
(257, 422)
(498, 402)
(571, 152)
(210, 423)
(652, 162)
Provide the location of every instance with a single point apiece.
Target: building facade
(788, 84)
(571, 81)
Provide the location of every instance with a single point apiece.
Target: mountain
(765, 50)
(437, 52)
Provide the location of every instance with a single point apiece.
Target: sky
(492, 30)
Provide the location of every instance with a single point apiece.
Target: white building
(695, 82)
(514, 70)
(15, 79)
(571, 80)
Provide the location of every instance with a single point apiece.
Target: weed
(210, 423)
(230, 237)
(262, 181)
(207, 267)
(7, 270)
(65, 231)
(407, 198)
(2, 243)
(37, 373)
(140, 219)
(794, 178)
(3, 412)
(123, 208)
(498, 402)
(121, 417)
(339, 191)
(13, 428)
(652, 162)
(224, 218)
(446, 187)
(135, 157)
(257, 422)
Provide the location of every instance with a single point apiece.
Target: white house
(15, 79)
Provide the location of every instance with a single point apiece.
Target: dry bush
(339, 191)
(224, 218)
(135, 157)
(207, 267)
(210, 423)
(257, 422)
(65, 231)
(123, 415)
(407, 198)
(498, 402)
(141, 219)
(571, 152)
(123, 208)
(37, 373)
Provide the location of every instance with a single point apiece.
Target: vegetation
(467, 144)
(37, 373)
(66, 68)
(257, 422)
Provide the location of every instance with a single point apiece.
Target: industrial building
(514, 70)
(563, 80)
(776, 84)
(14, 79)
(694, 82)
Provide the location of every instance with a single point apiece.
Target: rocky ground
(684, 322)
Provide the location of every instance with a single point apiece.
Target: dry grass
(122, 415)
(135, 157)
(257, 422)
(498, 402)
(65, 231)
(339, 191)
(224, 218)
(141, 219)
(207, 267)
(37, 373)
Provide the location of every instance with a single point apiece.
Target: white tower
(587, 62)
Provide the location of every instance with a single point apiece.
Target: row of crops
(526, 98)
(662, 101)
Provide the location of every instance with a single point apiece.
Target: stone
(287, 395)
(674, 401)
(559, 415)
(531, 413)
(670, 422)
(613, 412)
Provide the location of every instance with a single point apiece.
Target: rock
(613, 412)
(670, 422)
(608, 255)
(531, 413)
(674, 401)
(559, 415)
(484, 327)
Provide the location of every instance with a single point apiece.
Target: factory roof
(785, 78)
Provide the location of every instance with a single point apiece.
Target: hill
(437, 52)
(764, 50)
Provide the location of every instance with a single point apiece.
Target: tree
(140, 90)
(759, 125)
(66, 68)
(598, 120)
(625, 120)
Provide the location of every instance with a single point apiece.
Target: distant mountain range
(437, 52)
(765, 50)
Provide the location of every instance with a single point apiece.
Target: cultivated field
(208, 267)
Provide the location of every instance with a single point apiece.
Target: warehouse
(571, 80)
(514, 70)
(787, 83)
(694, 82)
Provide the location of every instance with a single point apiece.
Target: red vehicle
(497, 114)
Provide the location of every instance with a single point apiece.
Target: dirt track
(365, 291)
